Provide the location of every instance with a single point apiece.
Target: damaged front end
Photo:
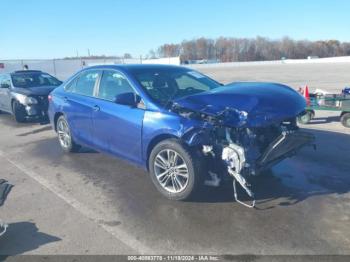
(240, 151)
(263, 151)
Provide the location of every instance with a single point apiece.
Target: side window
(84, 84)
(112, 84)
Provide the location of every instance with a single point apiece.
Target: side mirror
(4, 86)
(128, 99)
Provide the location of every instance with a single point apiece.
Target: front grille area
(43, 102)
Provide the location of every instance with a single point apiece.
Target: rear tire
(18, 112)
(65, 136)
(175, 170)
(345, 120)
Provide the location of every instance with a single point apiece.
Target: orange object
(307, 95)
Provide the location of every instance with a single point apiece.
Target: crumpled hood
(250, 104)
(40, 90)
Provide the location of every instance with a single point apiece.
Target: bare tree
(227, 49)
(127, 56)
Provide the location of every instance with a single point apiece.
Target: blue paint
(129, 132)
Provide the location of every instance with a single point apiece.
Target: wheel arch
(12, 101)
(55, 118)
(344, 112)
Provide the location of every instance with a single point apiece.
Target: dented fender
(195, 136)
(156, 125)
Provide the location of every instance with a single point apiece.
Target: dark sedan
(24, 94)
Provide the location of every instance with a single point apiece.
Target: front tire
(65, 136)
(18, 112)
(305, 118)
(175, 170)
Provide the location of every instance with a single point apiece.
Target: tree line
(229, 49)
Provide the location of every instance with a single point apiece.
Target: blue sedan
(182, 126)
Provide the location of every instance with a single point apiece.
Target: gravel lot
(91, 203)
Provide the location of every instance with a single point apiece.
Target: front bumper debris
(3, 228)
(286, 145)
(234, 157)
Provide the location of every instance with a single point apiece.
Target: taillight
(50, 98)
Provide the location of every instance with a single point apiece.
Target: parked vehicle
(178, 124)
(327, 102)
(24, 94)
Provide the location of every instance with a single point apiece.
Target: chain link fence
(60, 68)
(64, 68)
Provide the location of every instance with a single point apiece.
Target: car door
(78, 105)
(117, 128)
(5, 93)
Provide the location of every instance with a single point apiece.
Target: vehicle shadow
(310, 173)
(8, 120)
(36, 131)
(323, 120)
(44, 148)
(23, 237)
(87, 150)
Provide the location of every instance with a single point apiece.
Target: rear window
(27, 80)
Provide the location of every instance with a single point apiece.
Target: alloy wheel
(64, 133)
(171, 171)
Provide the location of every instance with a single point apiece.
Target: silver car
(25, 94)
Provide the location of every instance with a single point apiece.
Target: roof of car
(135, 66)
(26, 71)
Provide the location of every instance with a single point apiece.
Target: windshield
(167, 84)
(37, 79)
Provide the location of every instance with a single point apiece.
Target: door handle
(96, 108)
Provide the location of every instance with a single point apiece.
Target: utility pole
(88, 52)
